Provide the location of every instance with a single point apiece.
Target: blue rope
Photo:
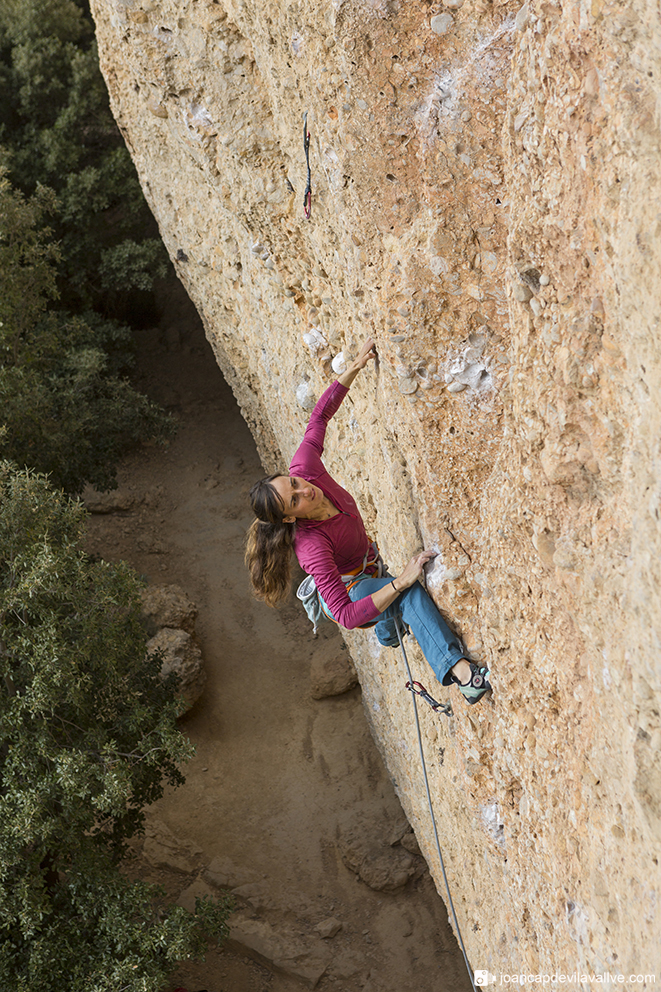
(431, 809)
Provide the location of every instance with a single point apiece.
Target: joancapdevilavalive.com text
(577, 979)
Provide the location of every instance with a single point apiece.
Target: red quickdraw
(422, 692)
(307, 196)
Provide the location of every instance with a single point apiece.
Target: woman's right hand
(388, 593)
(413, 570)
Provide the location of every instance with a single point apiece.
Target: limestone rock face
(486, 203)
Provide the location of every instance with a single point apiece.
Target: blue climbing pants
(440, 646)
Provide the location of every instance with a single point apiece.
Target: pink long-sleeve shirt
(329, 549)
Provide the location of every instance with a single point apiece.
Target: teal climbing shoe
(477, 687)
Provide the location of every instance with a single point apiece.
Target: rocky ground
(287, 802)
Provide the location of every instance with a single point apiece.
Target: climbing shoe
(479, 684)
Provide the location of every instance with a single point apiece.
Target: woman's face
(300, 498)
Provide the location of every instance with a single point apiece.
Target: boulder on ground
(168, 606)
(286, 952)
(410, 842)
(378, 864)
(256, 895)
(224, 873)
(162, 848)
(331, 670)
(118, 500)
(196, 890)
(328, 928)
(180, 654)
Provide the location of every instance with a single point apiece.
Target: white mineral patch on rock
(437, 264)
(441, 23)
(339, 363)
(493, 823)
(305, 396)
(470, 369)
(315, 340)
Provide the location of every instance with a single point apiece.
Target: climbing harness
(410, 685)
(372, 565)
(307, 196)
(444, 708)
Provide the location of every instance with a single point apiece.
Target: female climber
(307, 511)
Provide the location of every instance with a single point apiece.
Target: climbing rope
(425, 695)
(307, 196)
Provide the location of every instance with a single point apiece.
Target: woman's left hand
(366, 354)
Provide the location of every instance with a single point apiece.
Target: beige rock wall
(486, 204)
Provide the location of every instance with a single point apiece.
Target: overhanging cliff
(487, 204)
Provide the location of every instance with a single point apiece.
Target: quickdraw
(422, 692)
(307, 196)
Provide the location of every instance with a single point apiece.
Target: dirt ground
(278, 777)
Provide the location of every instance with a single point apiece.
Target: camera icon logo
(484, 977)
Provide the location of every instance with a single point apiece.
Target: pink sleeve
(312, 446)
(321, 565)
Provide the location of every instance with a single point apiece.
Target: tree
(56, 124)
(27, 263)
(66, 408)
(88, 737)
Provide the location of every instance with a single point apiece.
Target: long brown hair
(269, 544)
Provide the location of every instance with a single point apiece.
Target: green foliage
(27, 257)
(130, 264)
(75, 423)
(56, 124)
(88, 737)
(66, 409)
(62, 354)
(87, 726)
